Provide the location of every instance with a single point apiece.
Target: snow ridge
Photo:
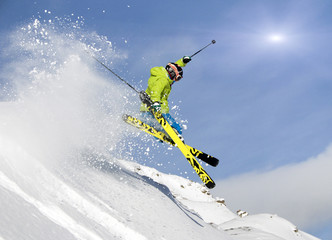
(197, 199)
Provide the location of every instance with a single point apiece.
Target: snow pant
(148, 118)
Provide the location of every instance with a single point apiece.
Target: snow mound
(197, 199)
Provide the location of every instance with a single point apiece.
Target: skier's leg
(174, 124)
(149, 119)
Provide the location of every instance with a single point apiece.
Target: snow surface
(60, 128)
(117, 200)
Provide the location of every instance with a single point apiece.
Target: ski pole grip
(145, 98)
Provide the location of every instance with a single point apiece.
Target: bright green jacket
(159, 87)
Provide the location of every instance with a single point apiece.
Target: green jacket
(160, 86)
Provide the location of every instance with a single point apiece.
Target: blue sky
(259, 99)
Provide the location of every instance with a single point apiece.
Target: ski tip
(215, 163)
(211, 161)
(210, 185)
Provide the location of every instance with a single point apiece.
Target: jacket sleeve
(180, 63)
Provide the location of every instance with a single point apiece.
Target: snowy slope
(117, 200)
(60, 129)
(84, 202)
(197, 199)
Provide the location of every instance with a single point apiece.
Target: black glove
(186, 59)
(145, 98)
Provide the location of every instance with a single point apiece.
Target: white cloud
(301, 192)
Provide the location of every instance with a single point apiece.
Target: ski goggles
(175, 74)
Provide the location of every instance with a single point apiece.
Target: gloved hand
(156, 106)
(172, 122)
(145, 98)
(186, 59)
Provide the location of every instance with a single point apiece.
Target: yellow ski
(206, 179)
(165, 138)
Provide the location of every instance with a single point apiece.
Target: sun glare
(277, 38)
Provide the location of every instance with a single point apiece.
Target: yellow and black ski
(165, 138)
(206, 179)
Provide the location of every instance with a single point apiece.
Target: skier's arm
(183, 61)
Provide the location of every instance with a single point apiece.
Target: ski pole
(112, 72)
(212, 42)
(142, 94)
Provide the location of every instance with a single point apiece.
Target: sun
(276, 38)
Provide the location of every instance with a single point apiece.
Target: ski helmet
(175, 71)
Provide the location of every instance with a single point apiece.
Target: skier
(159, 87)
